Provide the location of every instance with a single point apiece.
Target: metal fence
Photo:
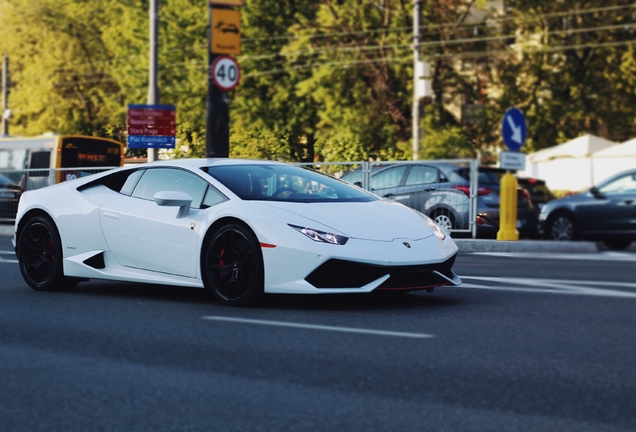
(431, 187)
(30, 179)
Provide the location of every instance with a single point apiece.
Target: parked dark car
(442, 191)
(606, 212)
(9, 196)
(539, 193)
(538, 190)
(488, 203)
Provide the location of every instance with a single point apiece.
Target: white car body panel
(144, 242)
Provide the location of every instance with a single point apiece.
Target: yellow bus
(53, 158)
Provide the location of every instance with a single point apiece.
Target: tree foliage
(332, 79)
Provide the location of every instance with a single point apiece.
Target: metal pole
(217, 121)
(153, 88)
(5, 95)
(416, 60)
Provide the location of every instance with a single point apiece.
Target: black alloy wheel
(233, 266)
(40, 256)
(562, 227)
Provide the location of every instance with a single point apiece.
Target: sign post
(513, 132)
(224, 73)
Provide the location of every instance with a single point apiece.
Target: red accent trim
(267, 245)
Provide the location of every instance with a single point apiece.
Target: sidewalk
(478, 245)
(539, 246)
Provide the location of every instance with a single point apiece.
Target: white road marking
(553, 286)
(319, 327)
(601, 256)
(7, 261)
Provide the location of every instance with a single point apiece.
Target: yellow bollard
(508, 208)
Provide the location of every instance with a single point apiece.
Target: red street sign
(140, 122)
(146, 116)
(154, 131)
(151, 114)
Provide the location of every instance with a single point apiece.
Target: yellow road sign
(226, 2)
(225, 31)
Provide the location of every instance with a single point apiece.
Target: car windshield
(273, 182)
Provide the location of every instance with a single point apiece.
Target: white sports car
(237, 227)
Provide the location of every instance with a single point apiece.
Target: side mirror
(175, 199)
(594, 191)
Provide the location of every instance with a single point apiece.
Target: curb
(478, 245)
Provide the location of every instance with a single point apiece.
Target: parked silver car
(441, 191)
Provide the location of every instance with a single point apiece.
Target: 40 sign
(226, 73)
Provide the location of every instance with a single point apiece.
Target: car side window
(622, 184)
(420, 174)
(169, 179)
(130, 182)
(213, 197)
(388, 178)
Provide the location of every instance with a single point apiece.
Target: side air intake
(96, 261)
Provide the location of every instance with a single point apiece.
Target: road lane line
(553, 286)
(7, 261)
(319, 327)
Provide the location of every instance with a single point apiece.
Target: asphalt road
(527, 343)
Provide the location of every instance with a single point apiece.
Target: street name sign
(512, 160)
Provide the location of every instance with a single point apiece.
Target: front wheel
(444, 219)
(562, 228)
(40, 256)
(233, 266)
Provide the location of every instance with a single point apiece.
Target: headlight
(439, 233)
(321, 236)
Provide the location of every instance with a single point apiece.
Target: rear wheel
(40, 256)
(617, 244)
(233, 266)
(562, 227)
(444, 219)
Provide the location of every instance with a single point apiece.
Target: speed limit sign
(225, 73)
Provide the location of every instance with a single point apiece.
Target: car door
(611, 207)
(141, 234)
(426, 189)
(387, 182)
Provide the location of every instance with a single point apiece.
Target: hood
(375, 220)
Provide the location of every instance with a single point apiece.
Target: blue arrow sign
(514, 129)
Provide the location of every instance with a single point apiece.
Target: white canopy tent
(612, 160)
(568, 166)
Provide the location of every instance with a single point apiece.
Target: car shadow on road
(331, 302)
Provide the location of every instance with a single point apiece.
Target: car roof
(195, 163)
